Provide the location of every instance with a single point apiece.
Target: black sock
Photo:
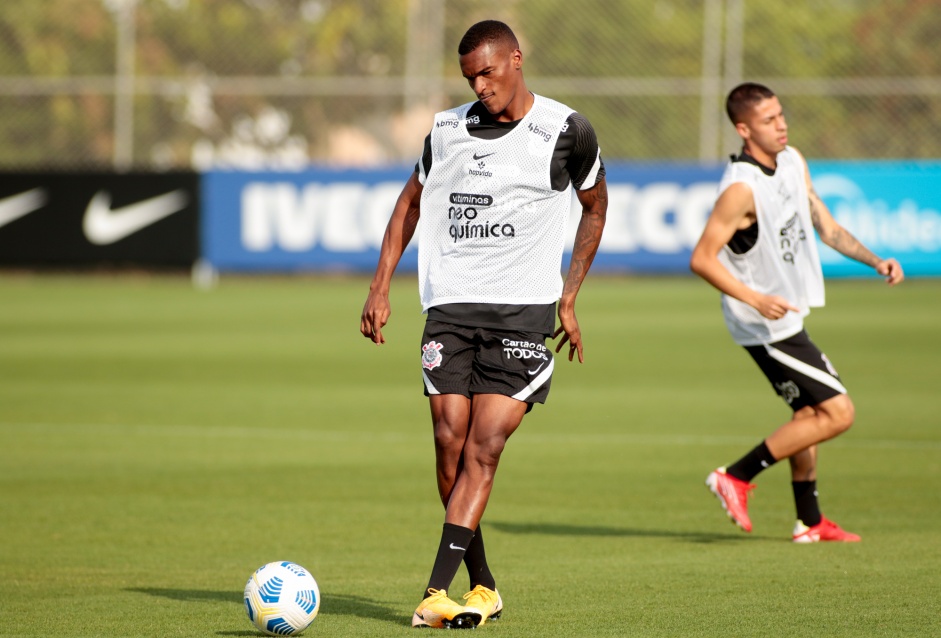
(454, 542)
(750, 465)
(476, 561)
(805, 499)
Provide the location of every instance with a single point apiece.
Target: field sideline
(160, 443)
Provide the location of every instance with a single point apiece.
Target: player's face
(766, 127)
(493, 72)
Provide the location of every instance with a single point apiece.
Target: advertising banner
(99, 219)
(891, 207)
(310, 220)
(334, 220)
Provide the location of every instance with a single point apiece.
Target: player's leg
(494, 418)
(811, 525)
(804, 463)
(807, 381)
(447, 357)
(450, 415)
(828, 419)
(450, 419)
(513, 372)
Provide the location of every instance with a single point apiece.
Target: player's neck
(762, 157)
(518, 108)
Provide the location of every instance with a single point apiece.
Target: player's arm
(734, 210)
(594, 203)
(398, 234)
(842, 241)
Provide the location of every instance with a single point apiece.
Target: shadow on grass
(563, 529)
(332, 605)
(361, 607)
(191, 595)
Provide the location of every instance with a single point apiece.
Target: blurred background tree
(164, 84)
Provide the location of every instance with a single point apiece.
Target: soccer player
(758, 249)
(494, 190)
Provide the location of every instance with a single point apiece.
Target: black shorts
(799, 372)
(467, 361)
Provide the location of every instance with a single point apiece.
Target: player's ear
(517, 59)
(743, 130)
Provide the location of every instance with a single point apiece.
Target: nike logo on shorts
(537, 369)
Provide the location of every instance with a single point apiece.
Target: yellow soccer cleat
(484, 602)
(441, 612)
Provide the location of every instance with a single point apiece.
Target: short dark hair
(743, 98)
(487, 32)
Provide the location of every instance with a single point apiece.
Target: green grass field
(159, 443)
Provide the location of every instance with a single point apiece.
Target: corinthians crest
(431, 355)
(788, 391)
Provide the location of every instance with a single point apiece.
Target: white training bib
(784, 259)
(492, 228)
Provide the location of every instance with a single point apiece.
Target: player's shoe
(441, 612)
(825, 530)
(733, 494)
(483, 601)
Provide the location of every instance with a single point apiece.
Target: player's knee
(486, 453)
(841, 413)
(448, 438)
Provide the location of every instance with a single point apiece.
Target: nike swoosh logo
(463, 549)
(478, 157)
(16, 206)
(104, 225)
(537, 369)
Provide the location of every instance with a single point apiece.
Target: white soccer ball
(282, 598)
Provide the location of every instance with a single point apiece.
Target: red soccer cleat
(825, 530)
(733, 494)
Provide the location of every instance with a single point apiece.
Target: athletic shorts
(467, 361)
(799, 372)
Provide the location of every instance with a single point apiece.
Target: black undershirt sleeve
(575, 154)
(425, 155)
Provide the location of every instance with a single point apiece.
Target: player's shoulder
(740, 171)
(454, 113)
(553, 106)
(795, 155)
(792, 150)
(579, 124)
(738, 180)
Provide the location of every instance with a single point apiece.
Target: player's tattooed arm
(837, 237)
(594, 203)
(588, 236)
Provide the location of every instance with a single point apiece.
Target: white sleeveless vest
(492, 229)
(784, 260)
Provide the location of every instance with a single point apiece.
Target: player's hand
(376, 313)
(571, 334)
(774, 307)
(891, 270)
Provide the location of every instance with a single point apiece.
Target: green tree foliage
(858, 77)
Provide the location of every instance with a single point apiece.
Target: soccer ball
(282, 598)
